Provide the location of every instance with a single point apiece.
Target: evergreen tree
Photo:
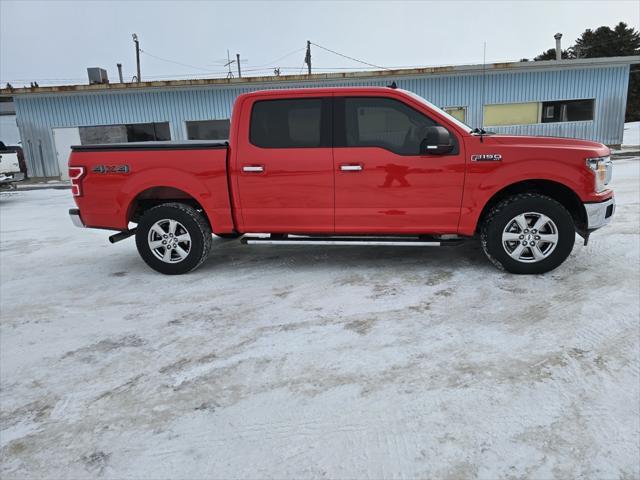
(605, 42)
(551, 55)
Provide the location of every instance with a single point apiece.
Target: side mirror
(437, 141)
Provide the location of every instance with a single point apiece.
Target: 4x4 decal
(110, 169)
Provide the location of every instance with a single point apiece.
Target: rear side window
(290, 123)
(385, 123)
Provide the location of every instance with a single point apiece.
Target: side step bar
(375, 241)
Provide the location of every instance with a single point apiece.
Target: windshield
(449, 117)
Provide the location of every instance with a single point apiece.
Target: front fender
(486, 179)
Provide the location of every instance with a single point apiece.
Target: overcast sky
(54, 41)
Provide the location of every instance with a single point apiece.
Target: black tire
(195, 225)
(501, 215)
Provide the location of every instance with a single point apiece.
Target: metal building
(583, 98)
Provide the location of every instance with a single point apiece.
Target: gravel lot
(314, 362)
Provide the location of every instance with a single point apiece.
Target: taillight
(75, 175)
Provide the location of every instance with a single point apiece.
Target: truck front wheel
(528, 233)
(173, 238)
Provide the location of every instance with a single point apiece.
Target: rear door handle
(350, 168)
(253, 168)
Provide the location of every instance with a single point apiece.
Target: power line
(273, 63)
(173, 61)
(350, 58)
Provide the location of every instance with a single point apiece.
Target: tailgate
(9, 162)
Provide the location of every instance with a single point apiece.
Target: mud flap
(585, 236)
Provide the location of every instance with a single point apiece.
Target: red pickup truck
(346, 166)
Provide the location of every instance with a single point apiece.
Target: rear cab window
(291, 123)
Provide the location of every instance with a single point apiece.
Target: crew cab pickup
(346, 166)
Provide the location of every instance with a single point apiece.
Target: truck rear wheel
(173, 238)
(528, 233)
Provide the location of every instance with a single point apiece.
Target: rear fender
(164, 177)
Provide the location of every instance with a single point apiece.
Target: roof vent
(97, 75)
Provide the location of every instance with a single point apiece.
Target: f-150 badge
(486, 157)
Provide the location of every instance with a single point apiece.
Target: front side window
(459, 113)
(287, 123)
(384, 123)
(208, 130)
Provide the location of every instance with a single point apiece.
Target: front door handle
(350, 168)
(253, 168)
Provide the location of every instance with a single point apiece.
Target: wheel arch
(563, 194)
(157, 195)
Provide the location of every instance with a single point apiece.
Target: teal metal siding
(37, 115)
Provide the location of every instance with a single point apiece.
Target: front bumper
(599, 214)
(74, 214)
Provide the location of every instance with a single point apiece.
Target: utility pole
(238, 60)
(120, 72)
(135, 40)
(307, 57)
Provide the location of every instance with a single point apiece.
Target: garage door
(64, 138)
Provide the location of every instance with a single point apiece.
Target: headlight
(602, 169)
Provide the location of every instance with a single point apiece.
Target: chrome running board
(351, 240)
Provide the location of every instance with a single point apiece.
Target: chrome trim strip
(257, 241)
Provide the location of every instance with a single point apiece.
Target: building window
(385, 123)
(457, 112)
(134, 132)
(148, 132)
(208, 130)
(7, 107)
(287, 123)
(539, 112)
(512, 114)
(567, 111)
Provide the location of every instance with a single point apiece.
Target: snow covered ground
(312, 362)
(631, 135)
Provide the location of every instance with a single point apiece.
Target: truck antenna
(484, 76)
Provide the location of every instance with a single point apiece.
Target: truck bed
(117, 178)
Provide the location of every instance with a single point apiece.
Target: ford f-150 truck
(346, 166)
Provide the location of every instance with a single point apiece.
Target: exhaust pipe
(121, 235)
